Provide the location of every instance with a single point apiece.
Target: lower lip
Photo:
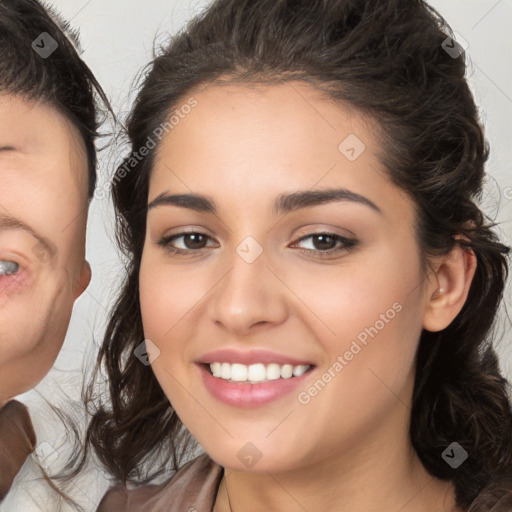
(247, 395)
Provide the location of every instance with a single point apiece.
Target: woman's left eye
(194, 241)
(328, 239)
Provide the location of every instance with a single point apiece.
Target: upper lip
(249, 357)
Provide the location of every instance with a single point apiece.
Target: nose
(248, 297)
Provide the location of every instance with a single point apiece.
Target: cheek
(163, 300)
(344, 301)
(371, 361)
(35, 318)
(27, 342)
(18, 337)
(169, 299)
(162, 306)
(367, 314)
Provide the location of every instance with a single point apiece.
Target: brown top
(191, 489)
(17, 441)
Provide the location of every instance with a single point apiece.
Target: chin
(255, 457)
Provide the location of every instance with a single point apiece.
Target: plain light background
(117, 37)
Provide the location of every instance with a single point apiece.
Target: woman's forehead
(265, 142)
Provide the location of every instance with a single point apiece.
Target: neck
(373, 475)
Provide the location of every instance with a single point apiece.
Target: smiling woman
(309, 229)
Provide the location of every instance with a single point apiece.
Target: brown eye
(325, 244)
(192, 242)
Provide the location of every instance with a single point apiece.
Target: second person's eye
(8, 268)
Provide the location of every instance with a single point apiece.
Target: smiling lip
(246, 394)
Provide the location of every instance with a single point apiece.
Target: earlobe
(449, 288)
(85, 278)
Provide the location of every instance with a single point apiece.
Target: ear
(84, 280)
(447, 292)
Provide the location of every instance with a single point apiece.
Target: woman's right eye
(192, 240)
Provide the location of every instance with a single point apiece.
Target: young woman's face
(43, 211)
(300, 256)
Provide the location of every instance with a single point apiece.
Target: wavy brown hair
(387, 59)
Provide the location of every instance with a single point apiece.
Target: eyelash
(347, 244)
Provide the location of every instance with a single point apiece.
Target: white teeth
(238, 372)
(8, 268)
(273, 372)
(225, 371)
(215, 368)
(286, 371)
(300, 370)
(258, 372)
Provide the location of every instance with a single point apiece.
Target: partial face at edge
(298, 300)
(43, 213)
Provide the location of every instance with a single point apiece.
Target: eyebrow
(9, 222)
(284, 203)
